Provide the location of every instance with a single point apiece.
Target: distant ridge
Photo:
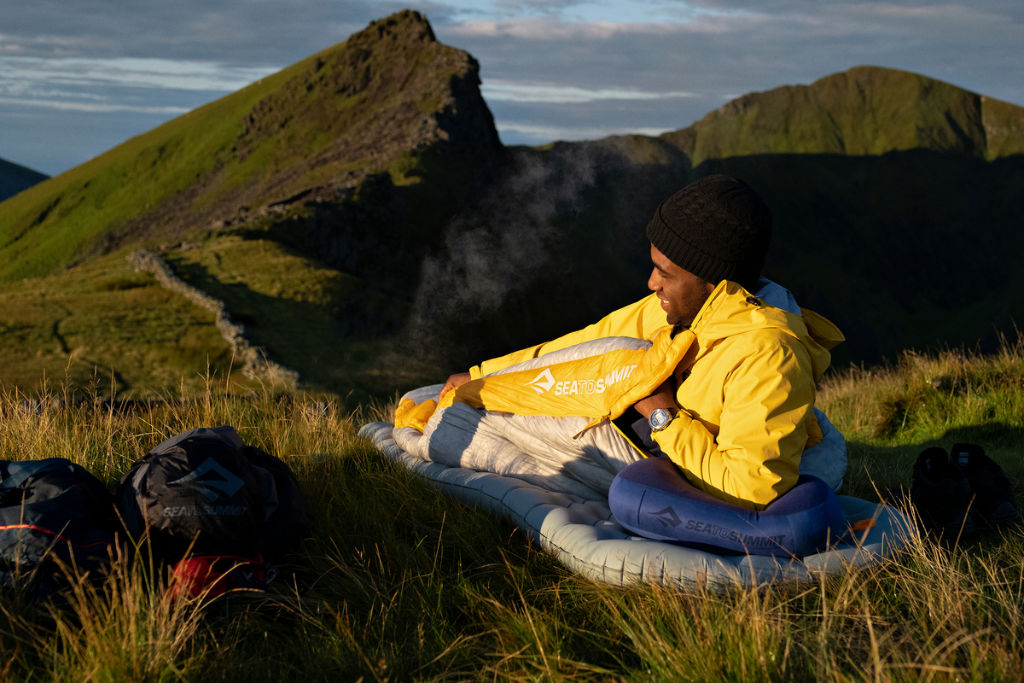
(14, 178)
(866, 110)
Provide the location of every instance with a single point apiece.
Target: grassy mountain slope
(382, 102)
(283, 199)
(894, 202)
(321, 322)
(863, 111)
(14, 178)
(104, 325)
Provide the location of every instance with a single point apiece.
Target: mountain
(15, 178)
(390, 112)
(866, 111)
(357, 213)
(285, 201)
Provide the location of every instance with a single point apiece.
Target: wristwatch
(659, 419)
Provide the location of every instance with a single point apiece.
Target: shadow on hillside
(903, 250)
(342, 349)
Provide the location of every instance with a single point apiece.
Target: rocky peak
(405, 27)
(389, 92)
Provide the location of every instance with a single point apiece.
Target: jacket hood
(731, 310)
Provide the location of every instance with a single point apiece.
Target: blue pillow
(652, 498)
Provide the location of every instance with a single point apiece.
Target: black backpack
(204, 492)
(52, 511)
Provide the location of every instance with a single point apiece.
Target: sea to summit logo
(211, 479)
(542, 382)
(667, 516)
(545, 381)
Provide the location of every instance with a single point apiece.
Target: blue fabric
(653, 499)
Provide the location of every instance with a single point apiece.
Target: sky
(78, 78)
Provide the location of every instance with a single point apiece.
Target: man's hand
(455, 381)
(663, 397)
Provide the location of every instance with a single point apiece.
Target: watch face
(659, 418)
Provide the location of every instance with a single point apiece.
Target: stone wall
(255, 363)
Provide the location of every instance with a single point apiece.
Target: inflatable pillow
(652, 498)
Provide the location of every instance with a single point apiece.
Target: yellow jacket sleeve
(767, 405)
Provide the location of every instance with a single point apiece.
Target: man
(737, 410)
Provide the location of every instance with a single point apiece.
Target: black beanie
(716, 228)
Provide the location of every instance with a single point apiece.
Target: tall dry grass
(122, 626)
(397, 582)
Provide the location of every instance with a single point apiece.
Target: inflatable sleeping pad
(586, 538)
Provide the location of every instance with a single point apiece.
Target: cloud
(784, 31)
(519, 133)
(502, 91)
(33, 73)
(150, 87)
(540, 29)
(596, 66)
(42, 43)
(94, 107)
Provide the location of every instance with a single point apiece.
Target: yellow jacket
(746, 398)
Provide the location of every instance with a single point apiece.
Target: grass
(345, 345)
(397, 582)
(891, 413)
(104, 325)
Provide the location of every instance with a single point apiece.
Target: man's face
(681, 292)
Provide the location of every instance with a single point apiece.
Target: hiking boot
(941, 494)
(993, 495)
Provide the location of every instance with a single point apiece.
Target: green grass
(332, 328)
(397, 582)
(863, 111)
(103, 324)
(892, 413)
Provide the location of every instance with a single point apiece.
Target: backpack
(52, 512)
(204, 492)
